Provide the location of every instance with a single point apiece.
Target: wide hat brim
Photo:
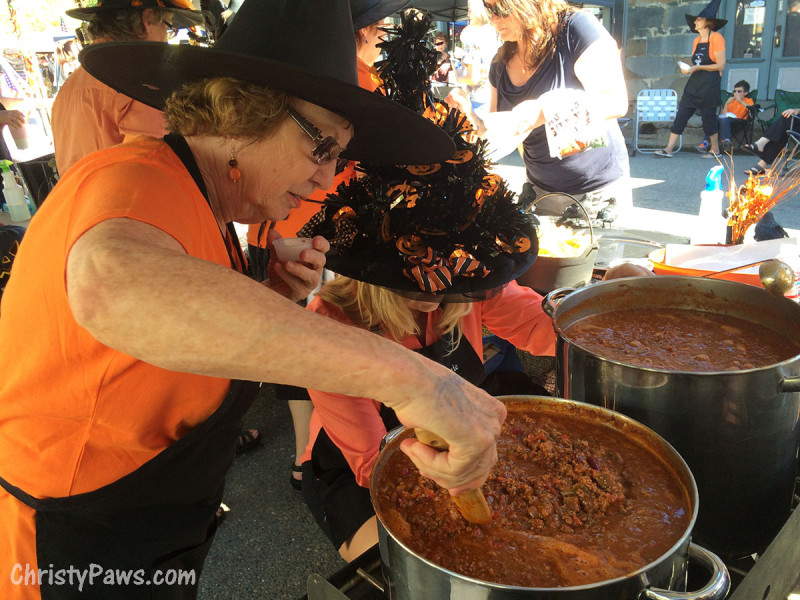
(367, 12)
(716, 24)
(388, 274)
(180, 18)
(384, 131)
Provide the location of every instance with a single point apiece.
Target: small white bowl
(289, 249)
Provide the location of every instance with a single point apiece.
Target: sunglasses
(496, 10)
(172, 31)
(738, 91)
(438, 43)
(326, 148)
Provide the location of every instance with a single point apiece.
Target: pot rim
(609, 415)
(682, 279)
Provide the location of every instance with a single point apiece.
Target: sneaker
(703, 146)
(663, 153)
(726, 147)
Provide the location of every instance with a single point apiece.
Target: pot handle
(789, 385)
(717, 587)
(552, 300)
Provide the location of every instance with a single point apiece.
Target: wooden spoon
(471, 503)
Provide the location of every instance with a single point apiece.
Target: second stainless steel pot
(738, 431)
(411, 577)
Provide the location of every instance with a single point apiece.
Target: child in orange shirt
(737, 107)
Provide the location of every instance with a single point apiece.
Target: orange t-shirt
(716, 43)
(76, 415)
(367, 79)
(739, 109)
(88, 116)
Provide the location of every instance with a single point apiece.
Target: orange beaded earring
(234, 173)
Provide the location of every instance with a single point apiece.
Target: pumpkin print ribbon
(431, 271)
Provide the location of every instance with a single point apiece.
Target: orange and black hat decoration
(183, 11)
(450, 228)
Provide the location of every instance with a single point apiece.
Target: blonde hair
(478, 15)
(540, 20)
(223, 106)
(383, 311)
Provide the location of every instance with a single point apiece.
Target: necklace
(522, 65)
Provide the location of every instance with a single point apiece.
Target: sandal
(222, 512)
(710, 154)
(663, 153)
(296, 483)
(247, 440)
(755, 171)
(752, 149)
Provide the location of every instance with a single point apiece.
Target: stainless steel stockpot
(737, 430)
(411, 577)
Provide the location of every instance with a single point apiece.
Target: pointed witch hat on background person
(367, 12)
(448, 229)
(710, 13)
(183, 11)
(305, 48)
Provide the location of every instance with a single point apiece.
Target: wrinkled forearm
(133, 288)
(185, 314)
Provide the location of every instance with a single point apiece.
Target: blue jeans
(724, 128)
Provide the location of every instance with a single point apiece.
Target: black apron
(703, 88)
(339, 505)
(153, 526)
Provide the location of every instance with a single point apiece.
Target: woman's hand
(295, 280)
(458, 98)
(466, 417)
(12, 118)
(790, 112)
(530, 115)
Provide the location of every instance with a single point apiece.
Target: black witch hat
(183, 12)
(709, 13)
(367, 12)
(446, 229)
(303, 47)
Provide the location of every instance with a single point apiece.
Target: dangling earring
(234, 173)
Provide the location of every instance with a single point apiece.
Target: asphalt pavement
(269, 544)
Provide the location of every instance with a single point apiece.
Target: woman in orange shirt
(136, 338)
(703, 88)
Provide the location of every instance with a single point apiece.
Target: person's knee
(362, 540)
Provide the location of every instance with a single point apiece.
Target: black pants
(708, 114)
(777, 136)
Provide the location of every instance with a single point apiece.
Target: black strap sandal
(247, 440)
(297, 484)
(752, 149)
(755, 171)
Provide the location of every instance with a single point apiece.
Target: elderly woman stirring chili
(136, 344)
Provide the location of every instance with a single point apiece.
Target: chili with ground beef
(573, 502)
(677, 339)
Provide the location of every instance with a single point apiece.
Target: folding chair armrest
(769, 106)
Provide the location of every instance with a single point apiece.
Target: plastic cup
(20, 135)
(289, 249)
